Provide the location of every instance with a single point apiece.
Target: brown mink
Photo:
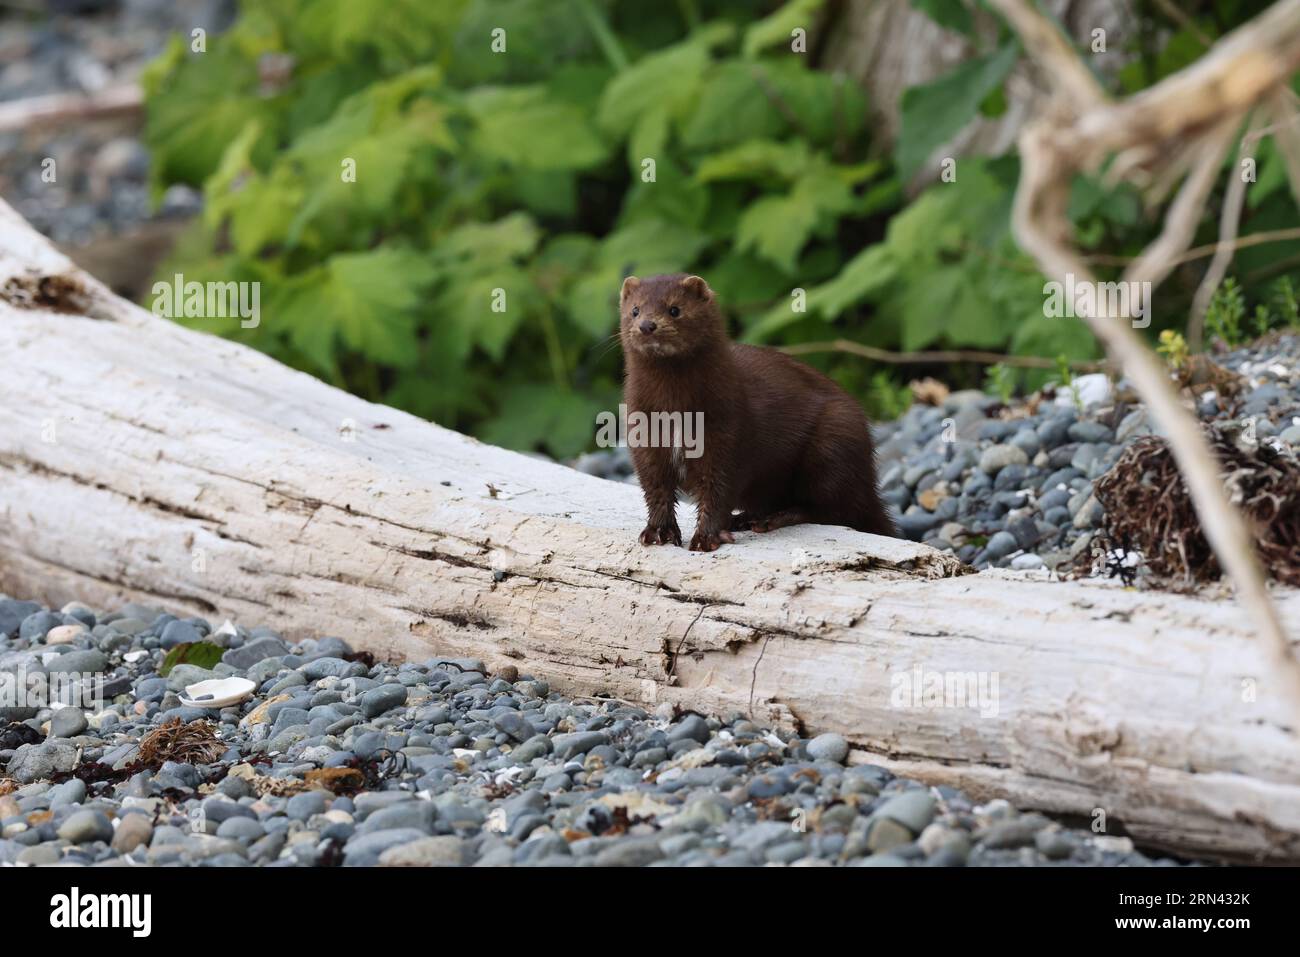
(781, 443)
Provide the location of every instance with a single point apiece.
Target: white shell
(224, 691)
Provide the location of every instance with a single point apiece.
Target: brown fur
(781, 443)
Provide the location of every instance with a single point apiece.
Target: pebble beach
(334, 760)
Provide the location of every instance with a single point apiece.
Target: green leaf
(1271, 175)
(380, 160)
(732, 107)
(651, 245)
(757, 160)
(353, 165)
(927, 308)
(538, 40)
(673, 196)
(437, 390)
(236, 166)
(777, 27)
(1036, 335)
(562, 258)
(643, 247)
(827, 108)
(532, 416)
(934, 113)
(511, 238)
(373, 296)
(777, 227)
(592, 303)
(659, 83)
(649, 137)
(188, 142)
(750, 99)
(530, 127)
(490, 306)
(366, 301)
(950, 14)
(546, 192)
(742, 281)
(263, 211)
(399, 32)
(201, 654)
(862, 277)
(1181, 49)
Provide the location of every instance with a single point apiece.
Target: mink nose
(647, 326)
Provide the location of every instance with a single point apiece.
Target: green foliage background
(522, 171)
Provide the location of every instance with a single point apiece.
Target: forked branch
(1187, 122)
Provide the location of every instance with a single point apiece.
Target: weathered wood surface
(143, 461)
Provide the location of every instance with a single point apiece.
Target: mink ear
(629, 286)
(697, 287)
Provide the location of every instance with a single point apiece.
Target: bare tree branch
(1188, 119)
(1200, 252)
(976, 356)
(1229, 223)
(1069, 75)
(59, 108)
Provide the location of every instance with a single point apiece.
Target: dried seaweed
(380, 766)
(359, 774)
(193, 743)
(1148, 508)
(336, 780)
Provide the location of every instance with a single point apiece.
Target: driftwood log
(143, 461)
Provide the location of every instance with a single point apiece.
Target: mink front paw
(666, 534)
(704, 541)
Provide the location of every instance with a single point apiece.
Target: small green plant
(1225, 313)
(1000, 380)
(1262, 320)
(1173, 347)
(1066, 375)
(1227, 318)
(1284, 298)
(886, 399)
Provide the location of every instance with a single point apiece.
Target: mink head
(668, 317)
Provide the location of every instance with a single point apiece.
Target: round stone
(829, 747)
(83, 827)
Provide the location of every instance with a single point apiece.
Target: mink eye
(636, 311)
(674, 312)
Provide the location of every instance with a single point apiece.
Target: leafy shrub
(469, 271)
(1276, 309)
(1226, 310)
